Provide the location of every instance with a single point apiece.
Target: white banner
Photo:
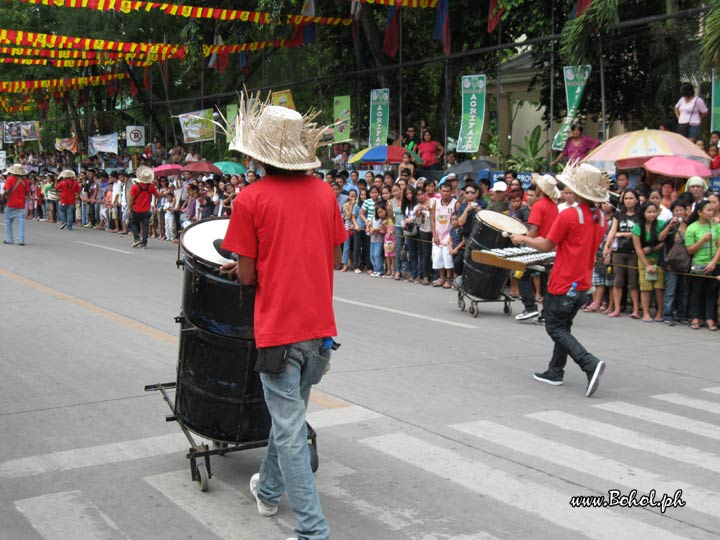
(103, 143)
(3, 157)
(135, 136)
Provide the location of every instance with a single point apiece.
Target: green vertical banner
(576, 78)
(341, 113)
(379, 116)
(715, 109)
(473, 113)
(232, 111)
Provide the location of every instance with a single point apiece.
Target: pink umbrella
(676, 167)
(167, 170)
(203, 167)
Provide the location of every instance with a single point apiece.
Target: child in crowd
(389, 245)
(169, 208)
(377, 238)
(347, 212)
(457, 246)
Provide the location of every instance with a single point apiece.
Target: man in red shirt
(542, 216)
(288, 250)
(575, 235)
(16, 191)
(140, 198)
(69, 189)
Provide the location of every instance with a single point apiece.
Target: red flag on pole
(391, 43)
(494, 16)
(581, 7)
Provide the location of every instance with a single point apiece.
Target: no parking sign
(135, 136)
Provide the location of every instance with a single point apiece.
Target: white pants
(169, 226)
(441, 258)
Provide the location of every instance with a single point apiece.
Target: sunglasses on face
(470, 192)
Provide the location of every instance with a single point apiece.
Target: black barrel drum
(489, 232)
(219, 394)
(209, 300)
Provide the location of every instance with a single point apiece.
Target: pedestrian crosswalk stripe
(590, 463)
(682, 423)
(227, 512)
(544, 502)
(68, 516)
(344, 415)
(679, 399)
(714, 390)
(629, 438)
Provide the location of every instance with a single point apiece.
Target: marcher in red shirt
(289, 250)
(141, 194)
(15, 193)
(542, 216)
(69, 189)
(575, 235)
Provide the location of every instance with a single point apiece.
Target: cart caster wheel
(507, 310)
(473, 310)
(314, 460)
(461, 304)
(203, 476)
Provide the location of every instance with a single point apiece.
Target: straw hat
(276, 136)
(547, 184)
(67, 173)
(144, 174)
(17, 170)
(586, 181)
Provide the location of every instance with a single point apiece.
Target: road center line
(405, 313)
(105, 247)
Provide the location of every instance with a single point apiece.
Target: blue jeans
(399, 243)
(286, 466)
(677, 297)
(11, 214)
(68, 211)
(346, 249)
(377, 256)
(412, 247)
(85, 208)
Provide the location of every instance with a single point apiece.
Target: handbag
(677, 258)
(411, 229)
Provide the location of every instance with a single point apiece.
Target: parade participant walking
(575, 235)
(14, 195)
(140, 197)
(294, 318)
(542, 216)
(69, 189)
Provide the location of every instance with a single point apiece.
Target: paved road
(430, 425)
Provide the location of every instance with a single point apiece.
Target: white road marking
(715, 390)
(68, 515)
(545, 503)
(337, 417)
(590, 463)
(679, 399)
(405, 313)
(631, 439)
(696, 427)
(95, 455)
(105, 247)
(227, 512)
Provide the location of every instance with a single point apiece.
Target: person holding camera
(701, 240)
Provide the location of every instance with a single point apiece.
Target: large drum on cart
(209, 300)
(490, 231)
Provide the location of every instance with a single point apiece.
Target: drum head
(501, 222)
(197, 240)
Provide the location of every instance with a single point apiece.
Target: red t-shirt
(142, 196)
(576, 245)
(428, 152)
(17, 199)
(290, 226)
(68, 188)
(543, 214)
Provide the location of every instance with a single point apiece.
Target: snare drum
(491, 231)
(211, 301)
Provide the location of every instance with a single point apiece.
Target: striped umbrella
(380, 155)
(631, 150)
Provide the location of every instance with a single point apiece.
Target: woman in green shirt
(701, 240)
(648, 236)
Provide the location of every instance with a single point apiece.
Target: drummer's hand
(517, 239)
(231, 269)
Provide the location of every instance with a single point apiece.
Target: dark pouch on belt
(272, 360)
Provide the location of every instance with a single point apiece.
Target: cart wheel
(461, 303)
(203, 476)
(314, 460)
(473, 309)
(507, 309)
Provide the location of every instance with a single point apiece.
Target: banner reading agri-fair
(379, 116)
(197, 126)
(341, 114)
(576, 78)
(715, 109)
(103, 143)
(473, 113)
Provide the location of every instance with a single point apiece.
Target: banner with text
(473, 113)
(283, 98)
(134, 136)
(70, 144)
(12, 132)
(576, 78)
(103, 143)
(29, 131)
(197, 126)
(341, 114)
(715, 109)
(379, 116)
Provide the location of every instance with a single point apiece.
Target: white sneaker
(263, 508)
